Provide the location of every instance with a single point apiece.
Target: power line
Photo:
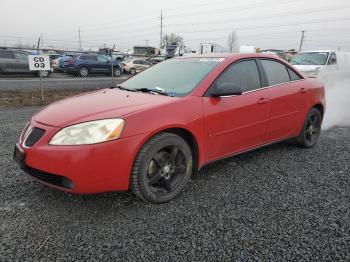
(267, 26)
(279, 15)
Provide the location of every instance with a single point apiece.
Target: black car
(16, 62)
(83, 65)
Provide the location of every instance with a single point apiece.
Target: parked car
(312, 63)
(16, 62)
(151, 133)
(83, 65)
(64, 61)
(134, 66)
(157, 59)
(55, 64)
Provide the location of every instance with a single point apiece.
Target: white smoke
(337, 86)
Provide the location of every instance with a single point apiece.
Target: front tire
(162, 168)
(83, 72)
(311, 129)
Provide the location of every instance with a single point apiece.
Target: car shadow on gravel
(123, 199)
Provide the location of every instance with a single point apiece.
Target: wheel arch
(182, 132)
(320, 107)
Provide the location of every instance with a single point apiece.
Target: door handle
(303, 90)
(263, 100)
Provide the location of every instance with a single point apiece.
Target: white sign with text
(39, 62)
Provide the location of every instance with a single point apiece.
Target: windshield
(312, 58)
(175, 76)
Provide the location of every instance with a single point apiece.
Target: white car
(313, 63)
(134, 66)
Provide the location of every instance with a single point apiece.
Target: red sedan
(151, 133)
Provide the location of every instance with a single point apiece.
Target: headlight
(89, 132)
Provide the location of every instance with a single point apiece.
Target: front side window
(21, 56)
(178, 75)
(276, 72)
(243, 74)
(310, 58)
(332, 59)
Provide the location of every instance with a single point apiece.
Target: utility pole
(42, 40)
(79, 40)
(112, 65)
(301, 40)
(40, 75)
(161, 29)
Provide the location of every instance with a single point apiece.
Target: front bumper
(80, 169)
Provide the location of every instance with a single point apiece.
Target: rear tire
(161, 169)
(117, 72)
(43, 73)
(133, 71)
(311, 129)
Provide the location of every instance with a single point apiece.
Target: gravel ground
(276, 203)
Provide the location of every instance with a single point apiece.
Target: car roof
(230, 56)
(317, 51)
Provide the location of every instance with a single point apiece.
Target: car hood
(105, 103)
(308, 68)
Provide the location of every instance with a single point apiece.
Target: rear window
(276, 72)
(6, 54)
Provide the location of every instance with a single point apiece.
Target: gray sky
(264, 23)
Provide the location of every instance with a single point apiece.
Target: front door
(237, 123)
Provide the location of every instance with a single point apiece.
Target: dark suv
(83, 65)
(16, 62)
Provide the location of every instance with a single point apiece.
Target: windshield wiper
(123, 88)
(155, 90)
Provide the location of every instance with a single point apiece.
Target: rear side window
(293, 76)
(276, 72)
(5, 54)
(244, 74)
(87, 57)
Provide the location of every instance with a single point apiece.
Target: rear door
(237, 123)
(287, 91)
(103, 64)
(21, 62)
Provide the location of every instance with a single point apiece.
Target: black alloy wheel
(311, 129)
(162, 168)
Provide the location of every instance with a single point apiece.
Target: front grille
(34, 136)
(52, 179)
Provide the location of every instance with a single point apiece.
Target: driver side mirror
(225, 89)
